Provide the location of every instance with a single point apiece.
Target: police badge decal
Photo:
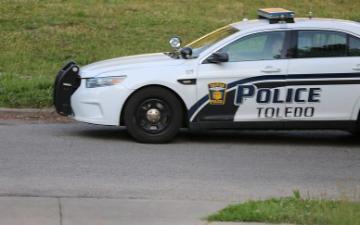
(217, 93)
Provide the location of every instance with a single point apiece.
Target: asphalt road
(79, 160)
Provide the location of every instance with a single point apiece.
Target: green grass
(38, 36)
(294, 210)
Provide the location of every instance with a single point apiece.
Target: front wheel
(153, 115)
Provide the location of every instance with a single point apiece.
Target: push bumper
(66, 83)
(101, 105)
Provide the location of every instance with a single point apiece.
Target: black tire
(153, 115)
(356, 131)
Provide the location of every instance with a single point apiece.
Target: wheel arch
(356, 111)
(185, 111)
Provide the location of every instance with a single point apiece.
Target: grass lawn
(37, 36)
(294, 210)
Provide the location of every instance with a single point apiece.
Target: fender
(187, 93)
(165, 86)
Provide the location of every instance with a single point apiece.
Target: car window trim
(355, 37)
(295, 43)
(287, 43)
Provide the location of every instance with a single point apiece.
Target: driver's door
(247, 88)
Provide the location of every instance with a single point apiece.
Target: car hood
(123, 64)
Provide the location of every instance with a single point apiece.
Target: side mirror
(186, 52)
(175, 42)
(218, 57)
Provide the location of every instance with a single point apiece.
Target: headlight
(103, 81)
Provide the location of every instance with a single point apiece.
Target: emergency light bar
(276, 15)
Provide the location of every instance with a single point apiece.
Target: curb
(27, 110)
(31, 114)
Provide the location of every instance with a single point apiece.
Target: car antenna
(310, 14)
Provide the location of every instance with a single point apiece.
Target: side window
(262, 46)
(321, 44)
(354, 46)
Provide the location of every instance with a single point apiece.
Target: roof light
(276, 15)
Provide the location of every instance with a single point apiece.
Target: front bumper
(66, 83)
(102, 105)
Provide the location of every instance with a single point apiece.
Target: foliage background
(38, 36)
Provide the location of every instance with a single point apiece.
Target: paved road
(79, 160)
(73, 174)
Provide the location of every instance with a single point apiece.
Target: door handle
(357, 67)
(270, 69)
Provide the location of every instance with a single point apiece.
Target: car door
(323, 76)
(246, 88)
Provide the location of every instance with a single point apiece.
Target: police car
(276, 72)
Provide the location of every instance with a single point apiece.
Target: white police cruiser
(276, 72)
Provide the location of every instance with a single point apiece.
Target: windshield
(208, 40)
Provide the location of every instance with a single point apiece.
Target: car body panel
(104, 105)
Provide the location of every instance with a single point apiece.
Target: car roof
(300, 23)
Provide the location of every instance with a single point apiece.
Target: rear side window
(321, 44)
(354, 46)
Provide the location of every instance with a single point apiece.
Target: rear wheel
(153, 115)
(356, 131)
